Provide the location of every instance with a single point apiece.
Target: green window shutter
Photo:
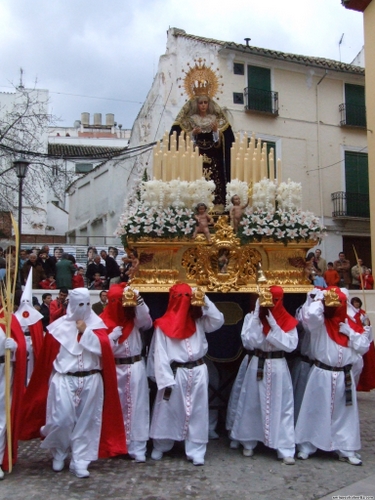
(355, 105)
(357, 186)
(259, 88)
(83, 168)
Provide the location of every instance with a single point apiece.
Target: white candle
(278, 171)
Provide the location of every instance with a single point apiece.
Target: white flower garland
(289, 196)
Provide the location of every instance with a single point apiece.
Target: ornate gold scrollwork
(224, 265)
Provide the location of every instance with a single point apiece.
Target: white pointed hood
(26, 313)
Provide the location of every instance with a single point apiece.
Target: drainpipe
(321, 207)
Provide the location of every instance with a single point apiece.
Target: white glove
(115, 333)
(320, 295)
(271, 320)
(10, 344)
(256, 310)
(345, 328)
(368, 332)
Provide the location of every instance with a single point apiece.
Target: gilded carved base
(222, 266)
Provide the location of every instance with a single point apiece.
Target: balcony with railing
(350, 205)
(352, 115)
(261, 101)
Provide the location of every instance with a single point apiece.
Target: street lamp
(21, 170)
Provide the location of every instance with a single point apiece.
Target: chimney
(97, 119)
(85, 119)
(110, 119)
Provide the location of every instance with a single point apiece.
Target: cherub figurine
(236, 211)
(134, 261)
(203, 220)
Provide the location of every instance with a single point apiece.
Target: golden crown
(201, 80)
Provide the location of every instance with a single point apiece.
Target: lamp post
(21, 170)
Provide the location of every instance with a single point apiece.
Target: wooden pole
(360, 279)
(7, 299)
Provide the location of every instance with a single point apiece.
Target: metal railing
(263, 101)
(353, 115)
(350, 205)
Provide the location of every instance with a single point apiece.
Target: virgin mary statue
(203, 119)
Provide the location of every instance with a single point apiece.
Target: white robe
(185, 415)
(324, 420)
(74, 404)
(265, 407)
(132, 384)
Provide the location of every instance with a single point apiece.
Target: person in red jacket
(368, 280)
(49, 283)
(58, 306)
(78, 280)
(331, 276)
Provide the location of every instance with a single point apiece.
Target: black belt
(189, 364)
(82, 374)
(27, 334)
(128, 361)
(2, 359)
(348, 380)
(306, 359)
(262, 355)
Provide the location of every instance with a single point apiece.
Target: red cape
(367, 379)
(18, 390)
(37, 336)
(112, 439)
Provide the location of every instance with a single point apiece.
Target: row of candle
(180, 160)
(177, 158)
(249, 160)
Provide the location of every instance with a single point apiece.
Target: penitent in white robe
(74, 404)
(185, 415)
(324, 420)
(133, 386)
(265, 407)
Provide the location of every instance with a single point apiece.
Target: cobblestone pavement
(226, 475)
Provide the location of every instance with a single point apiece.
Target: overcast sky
(101, 56)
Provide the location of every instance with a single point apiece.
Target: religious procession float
(216, 213)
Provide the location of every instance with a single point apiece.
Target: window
(356, 181)
(354, 109)
(83, 168)
(259, 96)
(238, 68)
(238, 98)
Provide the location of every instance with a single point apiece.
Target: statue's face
(203, 105)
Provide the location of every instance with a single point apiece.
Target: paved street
(226, 474)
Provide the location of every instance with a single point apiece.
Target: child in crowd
(318, 279)
(78, 280)
(98, 283)
(49, 283)
(331, 276)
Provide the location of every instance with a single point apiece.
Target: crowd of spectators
(58, 269)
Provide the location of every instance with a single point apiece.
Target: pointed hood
(26, 313)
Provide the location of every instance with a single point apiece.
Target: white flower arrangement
(264, 195)
(164, 209)
(177, 193)
(239, 188)
(280, 225)
(289, 196)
